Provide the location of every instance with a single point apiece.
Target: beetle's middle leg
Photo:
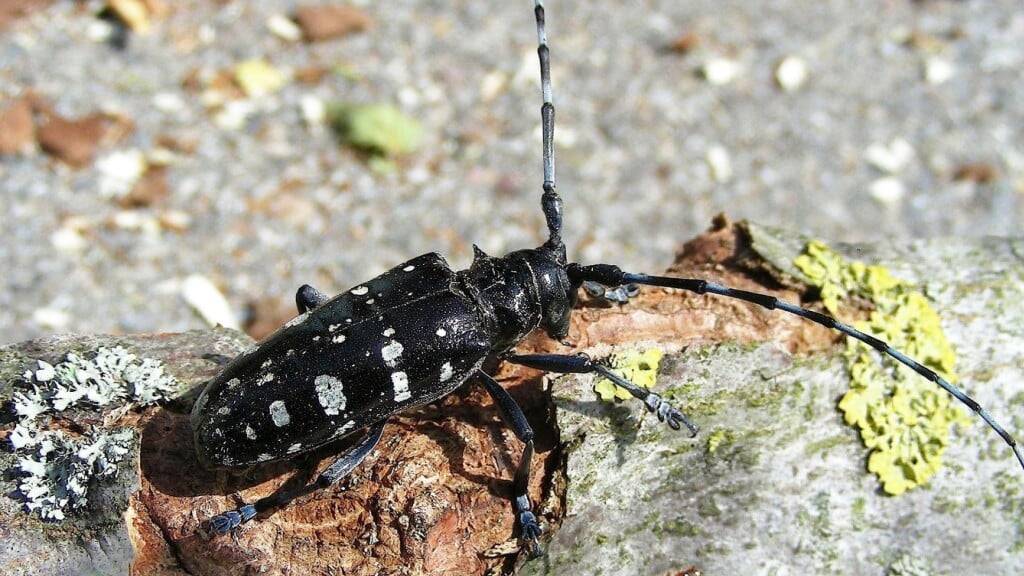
(512, 414)
(226, 522)
(307, 298)
(581, 364)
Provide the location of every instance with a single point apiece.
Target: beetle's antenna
(550, 201)
(612, 276)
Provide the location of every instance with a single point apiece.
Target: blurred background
(169, 164)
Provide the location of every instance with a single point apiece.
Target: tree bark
(775, 483)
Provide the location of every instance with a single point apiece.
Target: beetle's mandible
(420, 331)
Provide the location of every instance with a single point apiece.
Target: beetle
(422, 330)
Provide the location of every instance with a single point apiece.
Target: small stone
(320, 23)
(258, 77)
(685, 43)
(51, 318)
(120, 171)
(719, 163)
(284, 28)
(99, 31)
(134, 13)
(17, 131)
(311, 75)
(206, 299)
(979, 172)
(492, 85)
(68, 240)
(314, 111)
(892, 158)
(938, 70)
(150, 189)
(379, 129)
(72, 141)
(235, 115)
(175, 220)
(169, 102)
(791, 73)
(888, 190)
(720, 71)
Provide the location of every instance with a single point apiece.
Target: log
(775, 483)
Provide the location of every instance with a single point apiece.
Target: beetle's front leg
(512, 414)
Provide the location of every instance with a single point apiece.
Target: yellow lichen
(903, 419)
(640, 368)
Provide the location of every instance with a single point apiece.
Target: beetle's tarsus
(228, 522)
(530, 531)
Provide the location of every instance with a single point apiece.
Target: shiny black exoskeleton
(420, 331)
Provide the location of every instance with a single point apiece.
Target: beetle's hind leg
(581, 364)
(512, 414)
(308, 298)
(229, 521)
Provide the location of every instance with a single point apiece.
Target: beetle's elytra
(422, 330)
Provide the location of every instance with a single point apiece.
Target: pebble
(207, 300)
(791, 73)
(284, 28)
(314, 111)
(888, 190)
(319, 23)
(119, 171)
(938, 70)
(720, 71)
(51, 318)
(257, 77)
(891, 158)
(17, 131)
(72, 141)
(720, 164)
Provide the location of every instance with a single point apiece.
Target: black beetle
(417, 333)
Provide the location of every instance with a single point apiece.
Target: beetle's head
(556, 292)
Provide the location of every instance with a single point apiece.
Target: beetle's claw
(531, 532)
(669, 414)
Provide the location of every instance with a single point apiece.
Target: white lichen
(56, 469)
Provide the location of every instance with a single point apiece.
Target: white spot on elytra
(360, 290)
(316, 338)
(333, 327)
(279, 414)
(233, 383)
(389, 332)
(441, 332)
(446, 371)
(338, 339)
(268, 377)
(370, 301)
(263, 457)
(290, 352)
(348, 320)
(400, 382)
(267, 363)
(295, 448)
(409, 268)
(249, 432)
(224, 411)
(391, 352)
(329, 391)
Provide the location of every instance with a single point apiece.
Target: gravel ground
(651, 142)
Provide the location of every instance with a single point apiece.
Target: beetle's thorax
(520, 292)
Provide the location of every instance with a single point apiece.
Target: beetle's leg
(307, 298)
(581, 364)
(346, 462)
(512, 414)
(610, 275)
